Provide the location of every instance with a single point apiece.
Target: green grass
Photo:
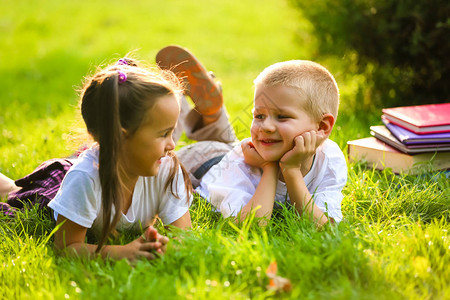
(393, 243)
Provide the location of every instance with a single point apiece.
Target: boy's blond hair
(315, 84)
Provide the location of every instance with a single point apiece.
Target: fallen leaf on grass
(277, 283)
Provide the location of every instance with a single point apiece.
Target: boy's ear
(326, 124)
(124, 132)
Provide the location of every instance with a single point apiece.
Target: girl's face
(143, 150)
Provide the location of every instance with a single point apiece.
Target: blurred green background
(393, 243)
(48, 47)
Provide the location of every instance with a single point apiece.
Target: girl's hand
(252, 157)
(152, 235)
(150, 245)
(69, 240)
(305, 146)
(140, 248)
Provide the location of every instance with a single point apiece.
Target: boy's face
(278, 117)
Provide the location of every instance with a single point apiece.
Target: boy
(289, 156)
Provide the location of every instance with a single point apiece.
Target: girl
(7, 185)
(130, 175)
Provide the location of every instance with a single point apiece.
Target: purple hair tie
(122, 62)
(122, 77)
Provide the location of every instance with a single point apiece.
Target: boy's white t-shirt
(230, 184)
(79, 197)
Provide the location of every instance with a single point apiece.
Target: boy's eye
(283, 117)
(259, 117)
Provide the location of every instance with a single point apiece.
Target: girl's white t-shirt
(79, 197)
(230, 184)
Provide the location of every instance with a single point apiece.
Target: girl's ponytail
(100, 110)
(110, 140)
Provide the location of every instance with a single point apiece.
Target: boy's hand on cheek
(251, 156)
(305, 145)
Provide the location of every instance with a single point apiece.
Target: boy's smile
(278, 117)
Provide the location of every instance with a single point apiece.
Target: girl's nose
(170, 144)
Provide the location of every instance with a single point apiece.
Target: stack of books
(412, 139)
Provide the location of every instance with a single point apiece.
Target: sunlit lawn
(393, 242)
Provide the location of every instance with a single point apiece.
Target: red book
(421, 119)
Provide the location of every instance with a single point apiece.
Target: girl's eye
(259, 117)
(283, 117)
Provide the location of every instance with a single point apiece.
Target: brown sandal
(204, 91)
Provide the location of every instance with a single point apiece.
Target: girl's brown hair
(107, 107)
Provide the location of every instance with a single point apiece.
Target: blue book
(407, 137)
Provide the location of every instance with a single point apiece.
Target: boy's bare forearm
(264, 195)
(300, 196)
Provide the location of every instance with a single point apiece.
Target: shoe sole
(200, 86)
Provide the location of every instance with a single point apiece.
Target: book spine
(415, 129)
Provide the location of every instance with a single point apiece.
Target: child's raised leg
(208, 123)
(200, 85)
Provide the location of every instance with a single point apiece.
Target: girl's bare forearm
(85, 250)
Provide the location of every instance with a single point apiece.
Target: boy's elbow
(59, 245)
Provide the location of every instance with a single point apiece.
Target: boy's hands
(252, 157)
(305, 145)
